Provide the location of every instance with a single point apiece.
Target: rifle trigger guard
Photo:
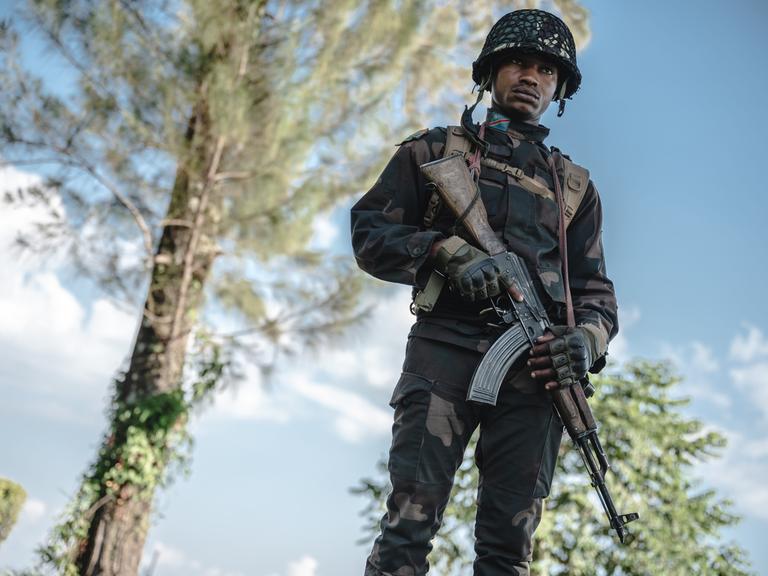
(506, 314)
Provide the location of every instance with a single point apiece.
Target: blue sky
(671, 123)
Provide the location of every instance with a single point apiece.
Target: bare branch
(234, 176)
(71, 59)
(156, 48)
(126, 202)
(176, 222)
(77, 161)
(30, 162)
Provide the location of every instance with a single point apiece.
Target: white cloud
(324, 232)
(749, 347)
(374, 363)
(305, 566)
(47, 322)
(376, 357)
(249, 399)
(750, 375)
(12, 179)
(215, 571)
(170, 556)
(176, 561)
(356, 418)
(326, 379)
(703, 357)
(739, 474)
(619, 349)
(33, 511)
(756, 448)
(42, 319)
(629, 316)
(20, 217)
(698, 364)
(753, 379)
(739, 471)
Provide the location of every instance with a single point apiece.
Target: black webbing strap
(563, 239)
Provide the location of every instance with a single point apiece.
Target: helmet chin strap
(487, 83)
(561, 98)
(466, 118)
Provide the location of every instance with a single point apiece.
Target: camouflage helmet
(531, 31)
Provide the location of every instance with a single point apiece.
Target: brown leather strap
(576, 182)
(474, 159)
(526, 182)
(563, 242)
(456, 142)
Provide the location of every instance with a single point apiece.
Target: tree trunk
(148, 404)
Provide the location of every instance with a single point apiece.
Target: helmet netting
(533, 31)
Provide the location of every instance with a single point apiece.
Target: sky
(670, 121)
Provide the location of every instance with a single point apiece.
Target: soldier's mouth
(526, 95)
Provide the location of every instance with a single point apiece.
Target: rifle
(527, 320)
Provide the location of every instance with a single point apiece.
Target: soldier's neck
(516, 128)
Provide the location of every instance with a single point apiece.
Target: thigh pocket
(430, 432)
(549, 457)
(411, 388)
(410, 400)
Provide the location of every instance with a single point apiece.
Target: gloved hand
(562, 356)
(471, 272)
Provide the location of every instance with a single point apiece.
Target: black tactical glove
(471, 272)
(562, 357)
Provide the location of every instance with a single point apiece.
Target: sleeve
(594, 299)
(388, 237)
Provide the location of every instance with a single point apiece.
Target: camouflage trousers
(516, 455)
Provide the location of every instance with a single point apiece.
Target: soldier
(400, 233)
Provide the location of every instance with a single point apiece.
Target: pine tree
(652, 447)
(184, 167)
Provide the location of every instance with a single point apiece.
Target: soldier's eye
(548, 70)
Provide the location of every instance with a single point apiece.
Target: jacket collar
(516, 129)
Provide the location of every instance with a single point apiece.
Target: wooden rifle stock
(460, 193)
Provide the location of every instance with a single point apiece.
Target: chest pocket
(521, 212)
(494, 192)
(533, 213)
(533, 225)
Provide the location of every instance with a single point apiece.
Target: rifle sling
(575, 177)
(563, 240)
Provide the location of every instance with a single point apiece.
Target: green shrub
(12, 498)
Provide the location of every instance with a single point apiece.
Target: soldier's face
(524, 86)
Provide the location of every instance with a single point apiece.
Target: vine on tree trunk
(147, 445)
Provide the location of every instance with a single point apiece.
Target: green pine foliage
(653, 447)
(12, 498)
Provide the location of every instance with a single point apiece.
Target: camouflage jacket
(391, 243)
